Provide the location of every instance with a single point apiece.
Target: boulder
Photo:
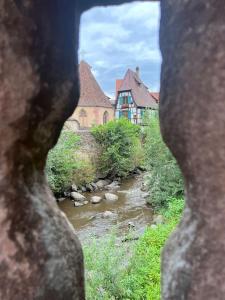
(159, 219)
(85, 202)
(74, 187)
(77, 196)
(102, 183)
(78, 204)
(111, 197)
(96, 199)
(94, 185)
(83, 189)
(67, 194)
(113, 186)
(89, 187)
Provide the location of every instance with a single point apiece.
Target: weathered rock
(89, 187)
(102, 183)
(159, 219)
(85, 202)
(96, 199)
(83, 189)
(67, 194)
(77, 196)
(74, 187)
(112, 186)
(111, 197)
(78, 204)
(95, 187)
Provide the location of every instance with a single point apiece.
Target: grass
(129, 271)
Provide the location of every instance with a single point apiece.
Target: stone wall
(40, 256)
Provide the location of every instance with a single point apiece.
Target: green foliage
(164, 178)
(120, 146)
(129, 271)
(65, 164)
(61, 162)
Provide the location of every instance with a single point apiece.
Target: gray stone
(94, 185)
(78, 204)
(85, 202)
(77, 196)
(83, 188)
(96, 199)
(112, 186)
(89, 187)
(111, 197)
(67, 194)
(102, 183)
(74, 187)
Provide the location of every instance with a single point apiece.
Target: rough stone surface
(96, 199)
(192, 114)
(40, 256)
(111, 197)
(77, 196)
(102, 183)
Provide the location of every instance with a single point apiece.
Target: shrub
(62, 163)
(164, 178)
(129, 271)
(119, 141)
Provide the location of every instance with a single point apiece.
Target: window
(105, 117)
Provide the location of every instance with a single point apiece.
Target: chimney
(138, 71)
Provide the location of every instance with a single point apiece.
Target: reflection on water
(131, 207)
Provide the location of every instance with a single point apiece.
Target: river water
(130, 208)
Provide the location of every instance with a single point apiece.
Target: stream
(130, 210)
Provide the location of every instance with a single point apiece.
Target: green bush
(164, 178)
(129, 271)
(62, 163)
(120, 145)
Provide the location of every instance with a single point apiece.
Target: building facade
(94, 107)
(133, 98)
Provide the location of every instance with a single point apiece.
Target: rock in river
(77, 196)
(102, 183)
(111, 197)
(78, 204)
(96, 199)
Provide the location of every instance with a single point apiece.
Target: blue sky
(116, 38)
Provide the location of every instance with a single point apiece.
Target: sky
(115, 38)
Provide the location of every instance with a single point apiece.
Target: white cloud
(115, 38)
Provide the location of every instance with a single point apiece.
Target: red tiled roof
(155, 96)
(91, 94)
(139, 90)
(118, 85)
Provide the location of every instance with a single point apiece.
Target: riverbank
(130, 210)
(129, 270)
